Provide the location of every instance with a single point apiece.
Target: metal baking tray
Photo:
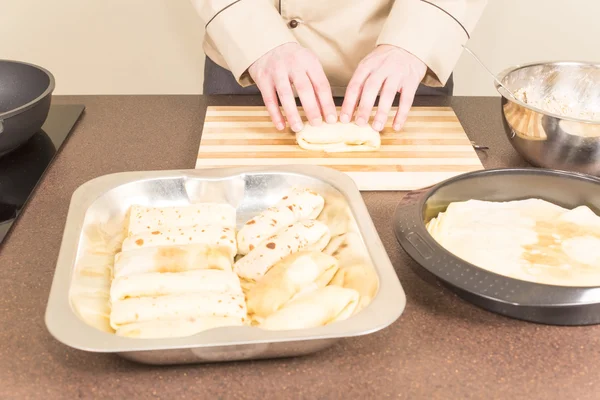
(250, 190)
(534, 302)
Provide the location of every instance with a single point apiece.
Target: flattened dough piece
(338, 138)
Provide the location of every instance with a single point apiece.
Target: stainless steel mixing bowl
(547, 138)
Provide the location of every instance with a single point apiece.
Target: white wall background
(154, 46)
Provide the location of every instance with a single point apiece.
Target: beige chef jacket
(340, 32)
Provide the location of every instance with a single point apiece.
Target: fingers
(322, 89)
(269, 96)
(407, 96)
(288, 101)
(353, 92)
(369, 95)
(386, 99)
(306, 93)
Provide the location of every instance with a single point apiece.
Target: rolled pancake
(167, 283)
(295, 274)
(148, 219)
(337, 216)
(212, 235)
(177, 306)
(297, 205)
(171, 259)
(338, 137)
(302, 235)
(175, 328)
(317, 308)
(360, 277)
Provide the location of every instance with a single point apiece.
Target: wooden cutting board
(431, 147)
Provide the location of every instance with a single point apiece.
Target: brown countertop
(441, 347)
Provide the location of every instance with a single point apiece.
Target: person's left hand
(386, 71)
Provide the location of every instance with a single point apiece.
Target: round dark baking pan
(547, 304)
(25, 97)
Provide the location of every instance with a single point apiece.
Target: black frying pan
(25, 95)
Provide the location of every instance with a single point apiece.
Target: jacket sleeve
(432, 30)
(243, 31)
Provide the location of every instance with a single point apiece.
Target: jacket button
(293, 24)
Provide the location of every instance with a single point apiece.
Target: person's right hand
(287, 65)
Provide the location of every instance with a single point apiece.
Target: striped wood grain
(431, 147)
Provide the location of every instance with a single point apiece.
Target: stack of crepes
(290, 278)
(531, 239)
(174, 276)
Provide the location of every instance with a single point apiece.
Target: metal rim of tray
(376, 316)
(534, 302)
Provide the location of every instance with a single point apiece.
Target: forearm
(242, 31)
(434, 31)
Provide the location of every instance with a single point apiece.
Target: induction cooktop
(22, 169)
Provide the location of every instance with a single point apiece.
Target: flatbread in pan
(293, 275)
(149, 219)
(302, 235)
(176, 306)
(211, 235)
(317, 308)
(297, 205)
(171, 259)
(167, 283)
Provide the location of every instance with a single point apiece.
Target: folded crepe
(177, 306)
(337, 216)
(301, 235)
(211, 235)
(297, 205)
(295, 274)
(159, 329)
(90, 285)
(360, 277)
(166, 283)
(348, 249)
(92, 309)
(317, 308)
(171, 259)
(338, 137)
(149, 219)
(95, 264)
(104, 238)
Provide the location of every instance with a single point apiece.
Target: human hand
(387, 70)
(287, 65)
